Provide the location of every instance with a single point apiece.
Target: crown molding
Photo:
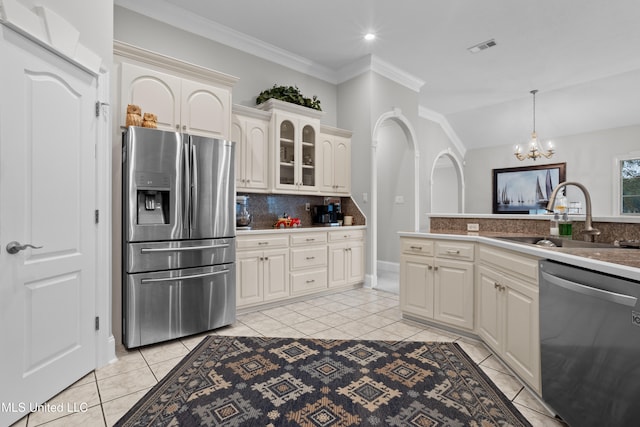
(377, 65)
(396, 74)
(180, 18)
(434, 116)
(196, 24)
(164, 62)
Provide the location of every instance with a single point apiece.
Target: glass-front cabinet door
(296, 153)
(287, 153)
(308, 167)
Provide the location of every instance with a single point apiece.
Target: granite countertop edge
(617, 261)
(298, 229)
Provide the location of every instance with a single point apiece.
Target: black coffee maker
(326, 214)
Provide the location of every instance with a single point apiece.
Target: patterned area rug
(254, 381)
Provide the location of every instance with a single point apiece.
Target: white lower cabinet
(278, 266)
(346, 257)
(263, 276)
(499, 303)
(508, 310)
(436, 281)
(262, 269)
(308, 262)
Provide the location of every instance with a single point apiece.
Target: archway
(447, 179)
(402, 130)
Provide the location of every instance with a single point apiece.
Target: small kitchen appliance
(326, 215)
(243, 217)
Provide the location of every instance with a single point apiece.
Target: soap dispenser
(565, 227)
(561, 205)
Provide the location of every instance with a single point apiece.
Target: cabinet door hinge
(97, 323)
(96, 215)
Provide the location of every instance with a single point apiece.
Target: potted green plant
(289, 94)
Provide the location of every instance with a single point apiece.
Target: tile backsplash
(610, 231)
(265, 209)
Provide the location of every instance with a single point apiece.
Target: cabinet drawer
(455, 250)
(261, 242)
(416, 246)
(308, 257)
(341, 236)
(307, 238)
(510, 262)
(303, 282)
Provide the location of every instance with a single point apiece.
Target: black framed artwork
(525, 189)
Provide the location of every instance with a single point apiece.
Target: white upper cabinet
(295, 156)
(184, 97)
(154, 92)
(180, 104)
(335, 161)
(250, 131)
(205, 110)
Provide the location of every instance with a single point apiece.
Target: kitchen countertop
(299, 229)
(617, 261)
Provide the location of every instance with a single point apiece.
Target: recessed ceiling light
(369, 36)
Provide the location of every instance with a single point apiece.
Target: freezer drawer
(156, 256)
(166, 305)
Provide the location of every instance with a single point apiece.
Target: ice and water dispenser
(153, 198)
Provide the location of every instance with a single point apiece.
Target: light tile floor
(355, 314)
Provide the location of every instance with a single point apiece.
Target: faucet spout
(589, 232)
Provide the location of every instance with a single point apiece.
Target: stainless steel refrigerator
(178, 235)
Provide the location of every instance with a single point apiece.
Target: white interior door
(47, 186)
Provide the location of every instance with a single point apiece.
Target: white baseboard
(392, 267)
(368, 281)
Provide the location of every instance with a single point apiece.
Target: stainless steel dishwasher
(590, 345)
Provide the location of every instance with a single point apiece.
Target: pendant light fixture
(535, 150)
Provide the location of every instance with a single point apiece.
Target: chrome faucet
(589, 232)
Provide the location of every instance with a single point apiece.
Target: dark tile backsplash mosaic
(267, 208)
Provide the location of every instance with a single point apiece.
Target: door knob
(15, 247)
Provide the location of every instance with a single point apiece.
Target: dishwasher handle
(614, 297)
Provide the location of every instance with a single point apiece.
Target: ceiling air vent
(482, 46)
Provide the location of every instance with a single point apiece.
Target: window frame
(617, 179)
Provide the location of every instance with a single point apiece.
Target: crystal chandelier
(535, 150)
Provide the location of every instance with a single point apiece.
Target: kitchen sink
(546, 241)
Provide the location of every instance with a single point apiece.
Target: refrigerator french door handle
(193, 276)
(180, 249)
(186, 184)
(194, 188)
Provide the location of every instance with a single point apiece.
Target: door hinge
(96, 216)
(97, 323)
(99, 105)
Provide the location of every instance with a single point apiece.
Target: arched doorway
(447, 181)
(395, 193)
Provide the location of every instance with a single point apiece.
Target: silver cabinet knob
(15, 247)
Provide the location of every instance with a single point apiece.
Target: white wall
(445, 187)
(432, 141)
(589, 158)
(395, 166)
